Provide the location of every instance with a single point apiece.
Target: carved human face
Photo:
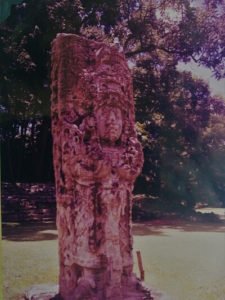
(109, 123)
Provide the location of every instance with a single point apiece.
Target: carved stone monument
(97, 158)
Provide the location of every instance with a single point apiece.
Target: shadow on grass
(44, 232)
(28, 232)
(147, 229)
(159, 227)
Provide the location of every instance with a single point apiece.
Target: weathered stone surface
(97, 158)
(50, 292)
(41, 292)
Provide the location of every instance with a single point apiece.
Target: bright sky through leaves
(217, 87)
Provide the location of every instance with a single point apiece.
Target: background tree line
(180, 124)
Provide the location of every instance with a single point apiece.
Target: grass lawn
(29, 257)
(186, 262)
(182, 260)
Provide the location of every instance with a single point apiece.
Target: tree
(174, 110)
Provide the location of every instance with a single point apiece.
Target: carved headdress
(103, 80)
(112, 83)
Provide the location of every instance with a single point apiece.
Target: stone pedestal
(51, 292)
(42, 292)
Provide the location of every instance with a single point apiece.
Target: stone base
(138, 292)
(50, 292)
(157, 295)
(41, 292)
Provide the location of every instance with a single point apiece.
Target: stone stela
(97, 158)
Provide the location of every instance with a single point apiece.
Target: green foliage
(179, 124)
(6, 7)
(174, 121)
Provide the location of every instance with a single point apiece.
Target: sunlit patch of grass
(185, 264)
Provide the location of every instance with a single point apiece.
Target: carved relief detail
(97, 158)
